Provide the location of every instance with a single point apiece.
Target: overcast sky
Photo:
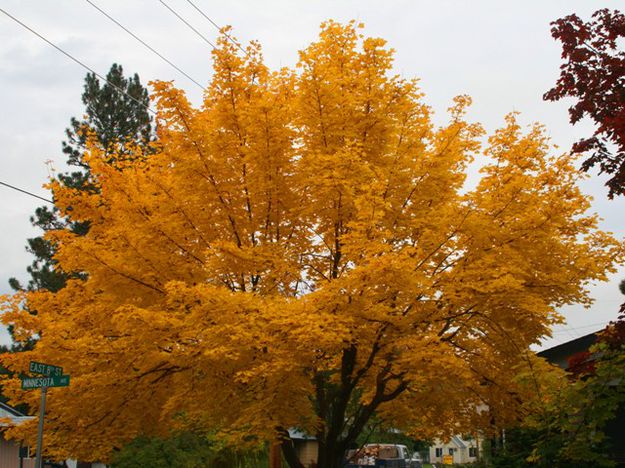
(500, 53)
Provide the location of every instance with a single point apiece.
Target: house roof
(8, 412)
(297, 434)
(559, 354)
(455, 442)
(9, 409)
(458, 442)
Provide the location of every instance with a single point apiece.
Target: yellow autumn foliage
(301, 251)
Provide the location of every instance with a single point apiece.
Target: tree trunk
(329, 456)
(275, 459)
(290, 455)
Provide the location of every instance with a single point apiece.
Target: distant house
(460, 450)
(305, 446)
(561, 356)
(14, 455)
(9, 450)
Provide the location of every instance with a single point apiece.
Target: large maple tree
(301, 251)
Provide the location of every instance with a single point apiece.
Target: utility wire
(230, 38)
(143, 42)
(26, 192)
(188, 24)
(575, 335)
(71, 57)
(218, 27)
(567, 329)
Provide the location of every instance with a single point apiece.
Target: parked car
(415, 461)
(379, 455)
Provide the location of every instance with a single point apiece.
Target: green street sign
(39, 382)
(45, 369)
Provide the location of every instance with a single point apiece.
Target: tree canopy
(301, 251)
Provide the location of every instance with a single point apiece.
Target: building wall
(460, 454)
(10, 456)
(307, 452)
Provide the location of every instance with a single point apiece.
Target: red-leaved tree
(593, 73)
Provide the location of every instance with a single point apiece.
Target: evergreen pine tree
(115, 119)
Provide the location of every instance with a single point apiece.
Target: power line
(144, 43)
(230, 38)
(218, 27)
(567, 329)
(563, 328)
(569, 332)
(188, 24)
(26, 192)
(71, 57)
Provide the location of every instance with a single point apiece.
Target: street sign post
(42, 412)
(49, 376)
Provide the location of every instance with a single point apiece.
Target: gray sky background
(500, 53)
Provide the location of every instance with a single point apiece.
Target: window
(473, 452)
(439, 452)
(24, 451)
(451, 451)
